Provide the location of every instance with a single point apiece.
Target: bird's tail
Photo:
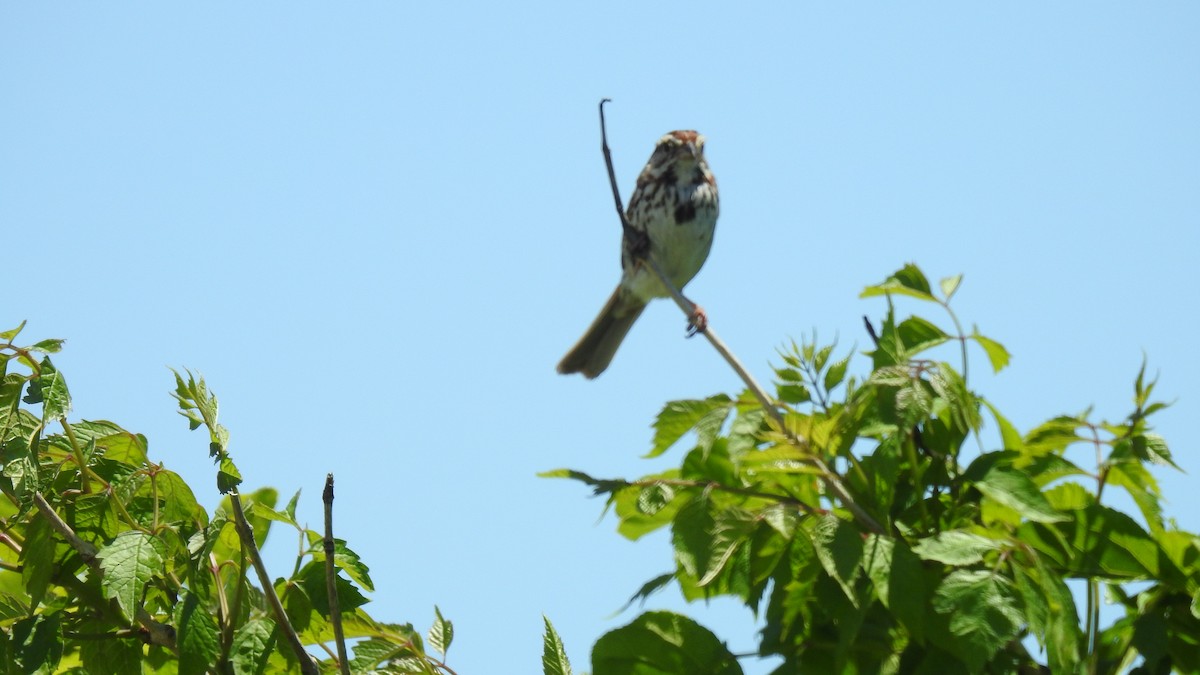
(595, 350)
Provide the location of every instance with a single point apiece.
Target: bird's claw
(697, 322)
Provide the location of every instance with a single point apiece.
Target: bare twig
(155, 633)
(246, 534)
(335, 610)
(831, 480)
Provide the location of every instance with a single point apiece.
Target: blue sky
(375, 228)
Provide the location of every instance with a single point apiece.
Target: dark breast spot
(684, 213)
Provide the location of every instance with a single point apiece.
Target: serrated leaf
(129, 563)
(983, 613)
(197, 636)
(822, 357)
(50, 346)
(679, 417)
(37, 558)
(836, 373)
(1142, 487)
(839, 547)
(794, 394)
(955, 547)
(50, 389)
(346, 560)
(228, 476)
(252, 646)
(441, 633)
(312, 578)
(1014, 489)
(899, 581)
(554, 654)
(789, 375)
(908, 280)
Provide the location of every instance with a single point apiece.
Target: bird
(672, 216)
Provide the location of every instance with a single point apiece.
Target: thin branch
(831, 480)
(246, 533)
(612, 176)
(335, 610)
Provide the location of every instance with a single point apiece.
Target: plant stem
(335, 610)
(246, 533)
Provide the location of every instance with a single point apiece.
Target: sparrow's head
(679, 147)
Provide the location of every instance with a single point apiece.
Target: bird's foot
(697, 322)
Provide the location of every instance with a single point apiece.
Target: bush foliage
(109, 565)
(874, 533)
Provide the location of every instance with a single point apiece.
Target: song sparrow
(672, 213)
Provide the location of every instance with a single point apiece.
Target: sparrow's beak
(692, 150)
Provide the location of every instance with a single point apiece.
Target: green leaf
(692, 536)
(441, 633)
(345, 559)
(662, 643)
(679, 417)
(1096, 540)
(996, 353)
(839, 547)
(126, 448)
(836, 373)
(198, 637)
(1009, 436)
(50, 389)
(1012, 488)
(38, 644)
(252, 646)
(369, 655)
(1062, 633)
(1054, 435)
(950, 285)
(554, 654)
(129, 563)
(177, 502)
(641, 509)
(794, 394)
(983, 612)
(822, 357)
(1142, 487)
(8, 335)
(899, 582)
(112, 656)
(918, 335)
(50, 346)
(732, 530)
(312, 578)
(228, 476)
(955, 547)
(650, 588)
(37, 558)
(908, 280)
